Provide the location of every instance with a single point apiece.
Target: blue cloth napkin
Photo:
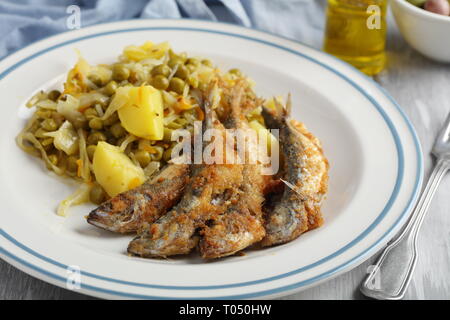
(25, 21)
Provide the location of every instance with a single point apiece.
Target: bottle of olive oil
(356, 33)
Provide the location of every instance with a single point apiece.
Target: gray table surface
(422, 88)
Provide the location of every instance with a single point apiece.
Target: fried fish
(305, 176)
(210, 190)
(125, 212)
(241, 225)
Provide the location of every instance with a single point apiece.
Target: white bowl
(427, 32)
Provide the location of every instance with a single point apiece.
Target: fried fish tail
(172, 235)
(229, 234)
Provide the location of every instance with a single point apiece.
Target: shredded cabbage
(81, 195)
(88, 99)
(120, 99)
(76, 81)
(46, 104)
(65, 138)
(130, 138)
(41, 95)
(31, 138)
(151, 168)
(86, 112)
(85, 171)
(69, 108)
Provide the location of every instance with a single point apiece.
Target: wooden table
(422, 88)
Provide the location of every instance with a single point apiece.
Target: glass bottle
(356, 33)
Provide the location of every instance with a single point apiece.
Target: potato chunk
(114, 171)
(143, 114)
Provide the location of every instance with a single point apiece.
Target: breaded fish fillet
(125, 212)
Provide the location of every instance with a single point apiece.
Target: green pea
(53, 158)
(72, 165)
(193, 61)
(90, 113)
(49, 125)
(111, 120)
(44, 114)
(207, 63)
(47, 142)
(111, 88)
(120, 72)
(162, 69)
(192, 81)
(90, 151)
(182, 72)
(235, 71)
(167, 135)
(117, 131)
(175, 61)
(95, 137)
(172, 54)
(96, 124)
(54, 95)
(191, 68)
(96, 79)
(143, 157)
(183, 56)
(160, 82)
(167, 154)
(97, 194)
(159, 151)
(176, 85)
(80, 123)
(203, 86)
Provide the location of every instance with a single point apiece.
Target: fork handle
(389, 278)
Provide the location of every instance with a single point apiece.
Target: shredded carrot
(79, 167)
(150, 149)
(83, 109)
(134, 183)
(181, 105)
(200, 114)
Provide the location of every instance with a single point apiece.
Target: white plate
(376, 169)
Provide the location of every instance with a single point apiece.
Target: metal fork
(391, 275)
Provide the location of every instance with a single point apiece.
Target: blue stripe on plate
(319, 262)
